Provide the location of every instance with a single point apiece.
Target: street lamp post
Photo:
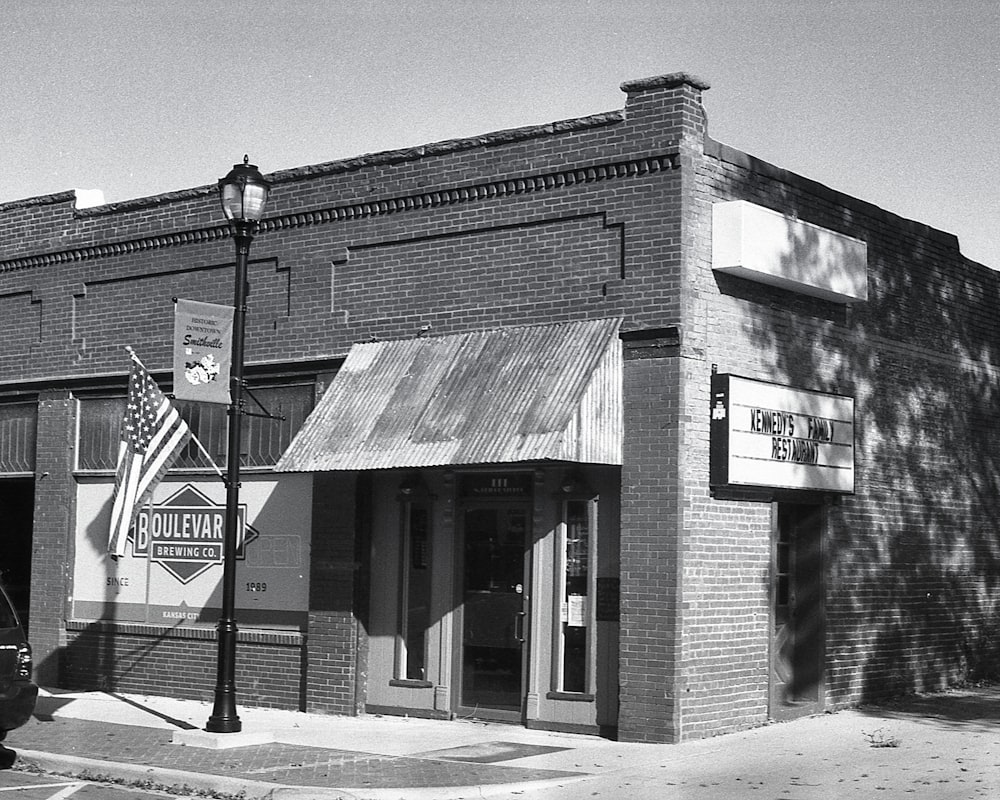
(244, 194)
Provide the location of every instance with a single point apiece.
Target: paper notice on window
(576, 616)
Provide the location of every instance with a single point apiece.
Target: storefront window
(17, 438)
(415, 581)
(264, 439)
(574, 579)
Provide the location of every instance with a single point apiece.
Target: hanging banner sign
(768, 435)
(203, 346)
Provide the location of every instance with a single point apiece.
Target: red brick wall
(911, 562)
(604, 216)
(554, 254)
(145, 660)
(55, 493)
(336, 633)
(565, 221)
(651, 542)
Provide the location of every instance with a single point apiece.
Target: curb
(480, 790)
(136, 774)
(75, 766)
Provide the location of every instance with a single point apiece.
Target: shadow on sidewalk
(47, 706)
(972, 708)
(179, 723)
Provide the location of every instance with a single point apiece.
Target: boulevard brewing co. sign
(767, 435)
(184, 533)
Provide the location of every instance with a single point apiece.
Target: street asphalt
(940, 747)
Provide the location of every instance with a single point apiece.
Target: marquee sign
(768, 435)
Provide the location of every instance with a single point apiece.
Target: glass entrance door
(494, 609)
(797, 637)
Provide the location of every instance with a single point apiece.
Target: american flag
(152, 436)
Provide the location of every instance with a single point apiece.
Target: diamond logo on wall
(184, 534)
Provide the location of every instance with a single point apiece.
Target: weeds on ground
(880, 737)
(138, 783)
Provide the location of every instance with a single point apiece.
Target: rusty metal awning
(533, 393)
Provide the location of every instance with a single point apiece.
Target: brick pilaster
(650, 544)
(55, 493)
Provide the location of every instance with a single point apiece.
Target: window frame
(415, 556)
(574, 492)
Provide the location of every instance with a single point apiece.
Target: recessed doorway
(797, 608)
(17, 509)
(494, 606)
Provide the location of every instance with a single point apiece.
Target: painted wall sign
(768, 435)
(184, 533)
(203, 344)
(171, 573)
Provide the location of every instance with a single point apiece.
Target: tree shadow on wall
(913, 558)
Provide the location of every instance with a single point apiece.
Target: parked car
(18, 692)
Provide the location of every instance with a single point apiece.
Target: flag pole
(134, 357)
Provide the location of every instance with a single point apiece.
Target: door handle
(519, 626)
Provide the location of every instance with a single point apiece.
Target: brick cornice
(436, 198)
(671, 81)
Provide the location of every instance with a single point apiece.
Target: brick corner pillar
(54, 516)
(650, 539)
(670, 106)
(337, 641)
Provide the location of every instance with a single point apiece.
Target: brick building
(599, 425)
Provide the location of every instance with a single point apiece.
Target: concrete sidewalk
(944, 746)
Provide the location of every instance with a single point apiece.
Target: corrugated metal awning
(534, 393)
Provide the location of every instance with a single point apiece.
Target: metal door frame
(458, 647)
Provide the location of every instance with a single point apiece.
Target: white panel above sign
(762, 245)
(768, 435)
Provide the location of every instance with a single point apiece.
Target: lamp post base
(224, 718)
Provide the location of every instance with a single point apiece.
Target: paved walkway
(937, 747)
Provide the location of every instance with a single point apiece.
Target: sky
(894, 101)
